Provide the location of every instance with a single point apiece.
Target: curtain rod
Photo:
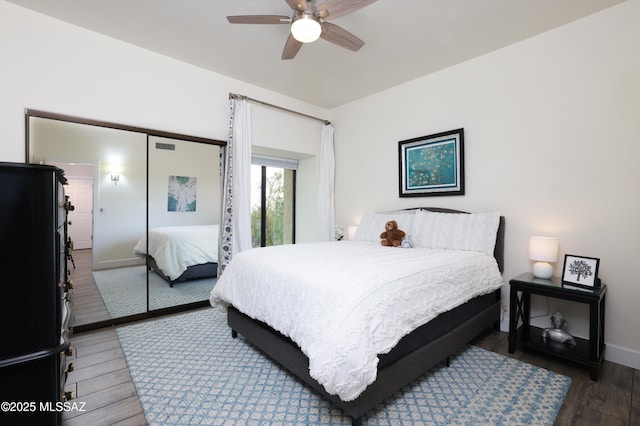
(233, 95)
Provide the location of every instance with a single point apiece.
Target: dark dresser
(35, 294)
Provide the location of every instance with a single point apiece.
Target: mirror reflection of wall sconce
(115, 173)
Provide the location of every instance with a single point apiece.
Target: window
(273, 183)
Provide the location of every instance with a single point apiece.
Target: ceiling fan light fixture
(306, 28)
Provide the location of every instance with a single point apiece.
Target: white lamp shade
(544, 249)
(306, 28)
(351, 231)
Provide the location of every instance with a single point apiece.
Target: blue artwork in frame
(432, 165)
(181, 194)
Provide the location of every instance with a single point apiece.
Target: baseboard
(119, 263)
(623, 356)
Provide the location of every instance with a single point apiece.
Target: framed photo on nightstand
(581, 271)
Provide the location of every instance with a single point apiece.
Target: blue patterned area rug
(189, 371)
(124, 290)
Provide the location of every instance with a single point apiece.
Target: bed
(384, 329)
(181, 253)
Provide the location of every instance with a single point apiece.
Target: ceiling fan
(309, 22)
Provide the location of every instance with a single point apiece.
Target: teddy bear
(392, 236)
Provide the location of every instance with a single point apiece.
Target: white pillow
(372, 224)
(460, 231)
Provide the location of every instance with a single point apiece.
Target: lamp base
(542, 270)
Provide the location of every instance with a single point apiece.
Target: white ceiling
(404, 39)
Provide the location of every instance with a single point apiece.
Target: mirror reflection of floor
(114, 293)
(88, 306)
(124, 290)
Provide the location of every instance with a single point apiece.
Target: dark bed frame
(415, 354)
(204, 270)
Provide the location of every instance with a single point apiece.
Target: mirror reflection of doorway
(79, 189)
(88, 303)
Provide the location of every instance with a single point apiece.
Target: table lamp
(351, 231)
(543, 250)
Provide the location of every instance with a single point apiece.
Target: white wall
(282, 134)
(552, 141)
(53, 66)
(197, 160)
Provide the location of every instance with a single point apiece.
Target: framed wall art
(581, 271)
(432, 165)
(181, 194)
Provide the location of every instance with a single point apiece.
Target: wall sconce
(543, 250)
(115, 177)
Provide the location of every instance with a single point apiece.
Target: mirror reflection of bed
(128, 180)
(181, 253)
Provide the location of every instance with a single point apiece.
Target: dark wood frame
(454, 333)
(425, 140)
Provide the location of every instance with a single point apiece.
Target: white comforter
(175, 248)
(346, 302)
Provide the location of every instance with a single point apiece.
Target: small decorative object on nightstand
(558, 333)
(543, 250)
(588, 352)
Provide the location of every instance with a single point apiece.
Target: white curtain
(235, 233)
(242, 177)
(326, 196)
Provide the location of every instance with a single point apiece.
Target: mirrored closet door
(184, 215)
(144, 227)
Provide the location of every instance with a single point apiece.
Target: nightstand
(588, 352)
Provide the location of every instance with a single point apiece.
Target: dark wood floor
(100, 376)
(101, 379)
(88, 306)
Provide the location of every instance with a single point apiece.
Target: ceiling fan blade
(291, 48)
(332, 9)
(338, 35)
(299, 5)
(259, 19)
